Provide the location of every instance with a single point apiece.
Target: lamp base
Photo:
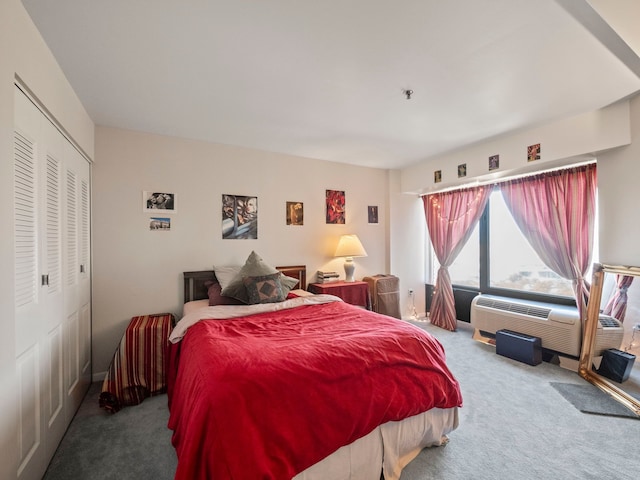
(349, 269)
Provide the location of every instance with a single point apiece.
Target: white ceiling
(325, 79)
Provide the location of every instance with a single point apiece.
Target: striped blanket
(138, 368)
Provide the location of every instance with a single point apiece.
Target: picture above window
(533, 152)
(494, 162)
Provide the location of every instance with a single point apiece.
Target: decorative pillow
(216, 297)
(264, 288)
(255, 266)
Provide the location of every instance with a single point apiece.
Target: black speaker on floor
(518, 346)
(616, 365)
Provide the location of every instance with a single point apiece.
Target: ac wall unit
(558, 326)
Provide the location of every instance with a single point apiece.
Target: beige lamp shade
(350, 246)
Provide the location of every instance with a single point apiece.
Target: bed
(307, 388)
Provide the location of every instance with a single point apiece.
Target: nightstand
(355, 293)
(138, 368)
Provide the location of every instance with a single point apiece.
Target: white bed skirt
(388, 448)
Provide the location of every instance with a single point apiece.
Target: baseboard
(98, 377)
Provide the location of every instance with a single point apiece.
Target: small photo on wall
(158, 202)
(462, 170)
(295, 213)
(335, 205)
(533, 152)
(160, 223)
(372, 214)
(239, 217)
(437, 176)
(494, 162)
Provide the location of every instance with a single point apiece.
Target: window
(498, 260)
(465, 271)
(513, 264)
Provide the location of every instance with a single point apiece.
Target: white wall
(408, 233)
(566, 140)
(619, 199)
(138, 271)
(23, 53)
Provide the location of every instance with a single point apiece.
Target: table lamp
(350, 246)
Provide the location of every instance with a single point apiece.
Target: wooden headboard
(195, 289)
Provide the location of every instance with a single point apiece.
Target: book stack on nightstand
(326, 277)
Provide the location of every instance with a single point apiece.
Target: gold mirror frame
(593, 314)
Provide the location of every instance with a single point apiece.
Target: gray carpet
(134, 443)
(590, 399)
(513, 425)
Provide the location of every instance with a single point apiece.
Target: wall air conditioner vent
(559, 327)
(514, 307)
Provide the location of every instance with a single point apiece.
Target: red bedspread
(268, 395)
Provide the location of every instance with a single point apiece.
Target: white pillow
(225, 275)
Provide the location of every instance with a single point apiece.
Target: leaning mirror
(614, 311)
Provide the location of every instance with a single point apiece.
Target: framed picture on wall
(494, 162)
(159, 202)
(462, 170)
(160, 223)
(295, 213)
(239, 217)
(335, 206)
(437, 176)
(533, 152)
(372, 213)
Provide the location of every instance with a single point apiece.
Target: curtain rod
(479, 183)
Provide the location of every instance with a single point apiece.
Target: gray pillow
(288, 283)
(264, 288)
(255, 266)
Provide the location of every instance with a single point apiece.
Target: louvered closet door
(76, 257)
(52, 292)
(30, 305)
(52, 307)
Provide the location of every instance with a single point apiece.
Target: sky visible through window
(514, 263)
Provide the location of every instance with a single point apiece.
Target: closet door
(52, 293)
(52, 302)
(31, 350)
(76, 256)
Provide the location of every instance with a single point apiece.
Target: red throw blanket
(268, 395)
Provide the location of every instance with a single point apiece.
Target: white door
(52, 293)
(30, 288)
(77, 277)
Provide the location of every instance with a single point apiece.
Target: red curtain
(556, 211)
(451, 217)
(617, 305)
